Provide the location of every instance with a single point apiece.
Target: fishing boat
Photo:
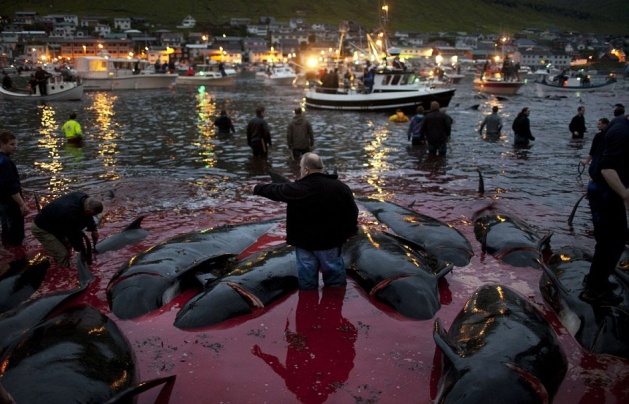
(278, 74)
(206, 75)
(106, 73)
(57, 90)
(574, 84)
(497, 85)
(391, 90)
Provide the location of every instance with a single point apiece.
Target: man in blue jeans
(321, 215)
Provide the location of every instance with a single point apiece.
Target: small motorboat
(575, 84)
(278, 74)
(206, 75)
(57, 90)
(497, 86)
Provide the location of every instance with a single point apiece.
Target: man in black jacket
(59, 225)
(577, 124)
(608, 196)
(436, 128)
(258, 134)
(321, 215)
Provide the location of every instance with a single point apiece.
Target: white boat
(278, 74)
(106, 73)
(57, 90)
(391, 90)
(574, 84)
(497, 86)
(205, 75)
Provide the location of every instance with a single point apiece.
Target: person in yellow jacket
(399, 116)
(72, 130)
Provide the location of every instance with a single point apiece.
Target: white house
(122, 23)
(188, 22)
(102, 29)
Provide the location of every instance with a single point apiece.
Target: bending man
(59, 226)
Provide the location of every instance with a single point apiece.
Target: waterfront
(154, 152)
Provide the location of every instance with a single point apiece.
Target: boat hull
(279, 81)
(383, 101)
(497, 87)
(133, 82)
(605, 87)
(205, 81)
(57, 92)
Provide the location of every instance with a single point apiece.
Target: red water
(315, 347)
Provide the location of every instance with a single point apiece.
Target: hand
(24, 209)
(95, 237)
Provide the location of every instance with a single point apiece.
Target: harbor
(155, 153)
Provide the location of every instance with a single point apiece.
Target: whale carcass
(438, 238)
(394, 273)
(499, 349)
(154, 276)
(253, 284)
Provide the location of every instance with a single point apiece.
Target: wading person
(608, 196)
(258, 134)
(493, 122)
(577, 124)
(224, 124)
(59, 225)
(299, 135)
(72, 130)
(320, 216)
(522, 128)
(436, 128)
(12, 205)
(413, 133)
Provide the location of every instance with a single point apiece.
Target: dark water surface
(154, 152)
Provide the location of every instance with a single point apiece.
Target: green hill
(489, 16)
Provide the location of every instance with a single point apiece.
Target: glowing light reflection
(108, 134)
(377, 155)
(49, 139)
(206, 113)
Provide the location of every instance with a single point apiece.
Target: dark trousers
(258, 151)
(297, 153)
(12, 224)
(42, 87)
(440, 149)
(610, 232)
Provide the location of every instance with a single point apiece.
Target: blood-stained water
(155, 153)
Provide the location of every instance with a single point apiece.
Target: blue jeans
(331, 264)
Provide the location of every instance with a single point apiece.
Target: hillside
(604, 16)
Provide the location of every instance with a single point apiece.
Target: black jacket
(522, 127)
(65, 218)
(258, 131)
(321, 213)
(437, 127)
(577, 124)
